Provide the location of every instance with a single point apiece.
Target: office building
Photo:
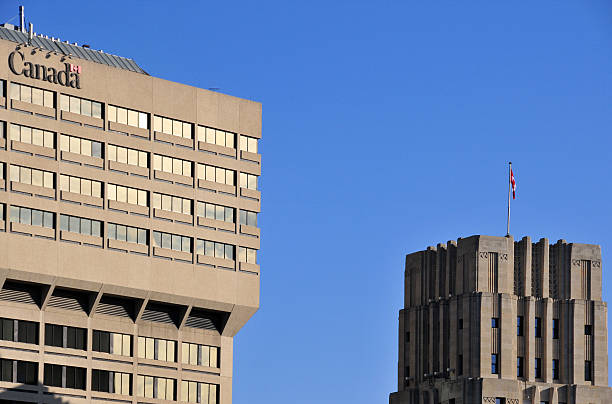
(128, 228)
(490, 320)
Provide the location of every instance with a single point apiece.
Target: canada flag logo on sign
(75, 68)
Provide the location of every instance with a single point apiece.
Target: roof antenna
(21, 19)
(30, 33)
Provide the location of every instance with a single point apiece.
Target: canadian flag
(513, 182)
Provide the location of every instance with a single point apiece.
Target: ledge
(217, 262)
(128, 168)
(200, 368)
(81, 159)
(129, 129)
(250, 230)
(254, 157)
(80, 238)
(173, 254)
(83, 199)
(175, 178)
(110, 397)
(33, 108)
(124, 245)
(128, 207)
(82, 119)
(216, 224)
(246, 267)
(175, 140)
(174, 216)
(214, 148)
(32, 149)
(33, 230)
(33, 189)
(215, 186)
(250, 193)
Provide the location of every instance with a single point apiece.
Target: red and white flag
(513, 182)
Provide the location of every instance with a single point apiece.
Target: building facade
(128, 228)
(490, 320)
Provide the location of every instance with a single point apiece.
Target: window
(588, 329)
(171, 241)
(158, 349)
(196, 392)
(111, 382)
(494, 322)
(172, 127)
(128, 117)
(500, 400)
(215, 249)
(18, 330)
(88, 227)
(27, 372)
(538, 327)
(33, 136)
(407, 336)
(460, 324)
(1, 171)
(459, 364)
(172, 203)
(216, 212)
(75, 377)
(32, 176)
(129, 234)
(494, 363)
(171, 165)
(85, 147)
(128, 156)
(216, 136)
(32, 217)
(555, 328)
(248, 181)
(519, 326)
(555, 369)
(2, 212)
(248, 144)
(80, 106)
(65, 337)
(216, 174)
(130, 195)
(248, 218)
(588, 371)
(520, 367)
(248, 255)
(155, 387)
(538, 368)
(32, 95)
(201, 355)
(112, 343)
(80, 186)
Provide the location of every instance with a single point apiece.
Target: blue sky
(387, 128)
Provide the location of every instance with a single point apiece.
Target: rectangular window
(18, 330)
(37, 137)
(555, 369)
(494, 322)
(127, 233)
(130, 195)
(555, 329)
(172, 241)
(112, 343)
(216, 174)
(538, 327)
(248, 218)
(500, 400)
(155, 387)
(128, 156)
(172, 165)
(26, 372)
(111, 382)
(65, 337)
(200, 355)
(82, 186)
(538, 368)
(158, 349)
(248, 181)
(74, 376)
(172, 203)
(588, 371)
(80, 106)
(460, 365)
(31, 217)
(216, 136)
(215, 249)
(248, 255)
(197, 392)
(494, 363)
(32, 95)
(32, 176)
(215, 212)
(519, 326)
(77, 145)
(81, 225)
(248, 144)
(588, 329)
(520, 372)
(128, 117)
(173, 127)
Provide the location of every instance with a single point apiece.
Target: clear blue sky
(387, 128)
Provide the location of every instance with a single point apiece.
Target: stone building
(490, 320)
(128, 228)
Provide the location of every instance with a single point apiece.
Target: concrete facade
(490, 320)
(172, 303)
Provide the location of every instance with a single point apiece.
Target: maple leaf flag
(513, 182)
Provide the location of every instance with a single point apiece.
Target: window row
(155, 387)
(80, 106)
(198, 392)
(158, 349)
(32, 217)
(37, 137)
(120, 193)
(111, 382)
(32, 95)
(216, 136)
(32, 176)
(81, 186)
(201, 355)
(172, 203)
(172, 127)
(18, 331)
(81, 225)
(112, 343)
(65, 336)
(216, 174)
(128, 117)
(215, 249)
(25, 372)
(77, 145)
(128, 156)
(129, 234)
(172, 165)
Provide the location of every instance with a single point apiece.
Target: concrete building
(128, 228)
(490, 320)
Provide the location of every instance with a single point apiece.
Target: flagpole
(509, 192)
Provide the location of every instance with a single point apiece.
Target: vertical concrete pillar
(600, 344)
(508, 338)
(401, 361)
(485, 337)
(543, 263)
(452, 331)
(227, 359)
(524, 265)
(547, 317)
(529, 329)
(577, 340)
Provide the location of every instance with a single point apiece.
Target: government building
(128, 228)
(490, 320)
